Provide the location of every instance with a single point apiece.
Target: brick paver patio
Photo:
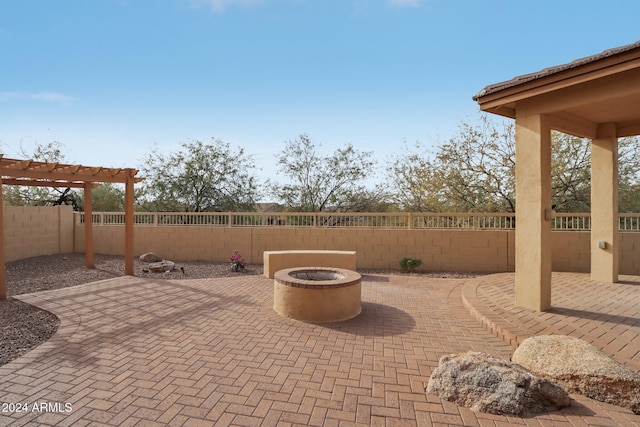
(132, 351)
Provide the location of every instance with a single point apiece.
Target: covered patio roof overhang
(49, 174)
(597, 97)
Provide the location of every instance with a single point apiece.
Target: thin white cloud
(50, 97)
(404, 3)
(221, 5)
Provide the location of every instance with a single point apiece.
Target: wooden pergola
(48, 174)
(597, 97)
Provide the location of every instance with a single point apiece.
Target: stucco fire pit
(317, 294)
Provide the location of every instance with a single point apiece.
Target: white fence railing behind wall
(395, 220)
(629, 222)
(571, 222)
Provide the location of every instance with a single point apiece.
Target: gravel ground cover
(23, 326)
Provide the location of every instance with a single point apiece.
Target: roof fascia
(563, 79)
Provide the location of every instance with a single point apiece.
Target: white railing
(473, 221)
(391, 220)
(629, 222)
(571, 222)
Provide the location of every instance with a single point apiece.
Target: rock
(580, 368)
(150, 257)
(162, 266)
(484, 383)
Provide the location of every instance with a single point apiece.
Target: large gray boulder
(484, 383)
(150, 257)
(580, 368)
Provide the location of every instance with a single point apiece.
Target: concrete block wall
(37, 230)
(439, 250)
(629, 261)
(571, 251)
(452, 250)
(384, 248)
(179, 243)
(34, 231)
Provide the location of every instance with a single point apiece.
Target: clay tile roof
(497, 87)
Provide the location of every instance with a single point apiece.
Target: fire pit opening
(316, 275)
(317, 294)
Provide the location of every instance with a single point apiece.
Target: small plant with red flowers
(237, 262)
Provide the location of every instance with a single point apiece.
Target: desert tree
(200, 177)
(108, 197)
(629, 174)
(412, 177)
(474, 171)
(320, 183)
(17, 195)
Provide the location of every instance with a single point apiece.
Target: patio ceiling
(576, 97)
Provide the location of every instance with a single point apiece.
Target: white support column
(604, 204)
(533, 211)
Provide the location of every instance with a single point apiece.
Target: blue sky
(111, 78)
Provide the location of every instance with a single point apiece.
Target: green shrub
(408, 265)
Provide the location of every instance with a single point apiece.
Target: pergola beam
(57, 175)
(42, 183)
(12, 168)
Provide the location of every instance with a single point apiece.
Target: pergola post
(88, 226)
(533, 211)
(604, 204)
(3, 268)
(128, 223)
